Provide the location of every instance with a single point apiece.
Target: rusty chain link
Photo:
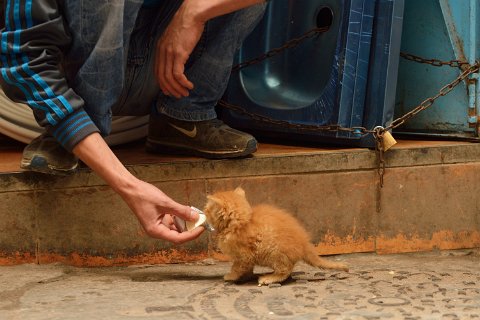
(301, 127)
(288, 45)
(468, 70)
(435, 62)
(378, 132)
(429, 101)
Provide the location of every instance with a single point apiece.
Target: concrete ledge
(428, 202)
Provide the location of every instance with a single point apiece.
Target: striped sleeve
(32, 46)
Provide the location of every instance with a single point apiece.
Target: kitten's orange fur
(263, 235)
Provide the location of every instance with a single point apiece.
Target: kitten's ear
(214, 199)
(240, 191)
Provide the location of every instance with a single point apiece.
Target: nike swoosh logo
(190, 133)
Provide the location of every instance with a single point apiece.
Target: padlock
(388, 141)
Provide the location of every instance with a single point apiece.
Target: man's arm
(32, 47)
(181, 37)
(204, 10)
(151, 206)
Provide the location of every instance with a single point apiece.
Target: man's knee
(253, 14)
(249, 17)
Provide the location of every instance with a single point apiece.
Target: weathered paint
(16, 258)
(334, 195)
(441, 240)
(445, 30)
(333, 244)
(84, 260)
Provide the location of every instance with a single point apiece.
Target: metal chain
(358, 130)
(300, 127)
(378, 132)
(380, 150)
(435, 62)
(429, 101)
(288, 45)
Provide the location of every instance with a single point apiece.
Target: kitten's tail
(312, 258)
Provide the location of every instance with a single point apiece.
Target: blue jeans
(110, 64)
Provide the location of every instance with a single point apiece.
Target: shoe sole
(165, 148)
(40, 164)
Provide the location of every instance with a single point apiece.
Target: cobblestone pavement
(440, 285)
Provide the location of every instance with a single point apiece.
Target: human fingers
(179, 73)
(185, 212)
(170, 82)
(190, 235)
(169, 66)
(160, 62)
(169, 221)
(163, 232)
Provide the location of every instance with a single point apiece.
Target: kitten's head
(228, 209)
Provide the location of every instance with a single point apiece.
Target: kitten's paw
(338, 266)
(343, 267)
(231, 277)
(263, 281)
(268, 279)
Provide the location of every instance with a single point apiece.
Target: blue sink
(325, 79)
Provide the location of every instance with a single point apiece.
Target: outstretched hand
(156, 211)
(153, 208)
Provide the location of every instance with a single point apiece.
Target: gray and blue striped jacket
(49, 61)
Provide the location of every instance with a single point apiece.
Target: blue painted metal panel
(445, 30)
(383, 70)
(326, 80)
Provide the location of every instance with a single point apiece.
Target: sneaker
(44, 154)
(211, 139)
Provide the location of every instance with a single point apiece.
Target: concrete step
(428, 202)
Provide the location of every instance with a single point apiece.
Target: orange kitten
(263, 235)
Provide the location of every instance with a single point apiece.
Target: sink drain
(324, 17)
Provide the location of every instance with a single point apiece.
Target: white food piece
(183, 225)
(193, 224)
